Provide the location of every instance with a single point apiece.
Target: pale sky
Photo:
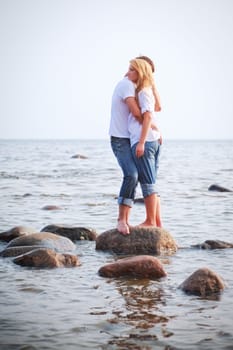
(60, 61)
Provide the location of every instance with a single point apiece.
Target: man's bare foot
(123, 228)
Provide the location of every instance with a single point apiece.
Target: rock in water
(15, 232)
(218, 188)
(46, 258)
(142, 266)
(44, 239)
(141, 240)
(73, 233)
(213, 244)
(203, 282)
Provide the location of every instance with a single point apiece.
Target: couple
(136, 140)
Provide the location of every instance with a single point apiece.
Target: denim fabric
(122, 151)
(147, 166)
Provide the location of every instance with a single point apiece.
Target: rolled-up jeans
(147, 166)
(123, 153)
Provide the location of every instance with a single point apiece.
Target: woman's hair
(145, 75)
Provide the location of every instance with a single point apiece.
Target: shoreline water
(77, 309)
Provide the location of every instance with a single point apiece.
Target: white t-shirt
(119, 109)
(146, 102)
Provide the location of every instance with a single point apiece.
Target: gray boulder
(44, 239)
(141, 240)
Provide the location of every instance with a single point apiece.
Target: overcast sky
(60, 60)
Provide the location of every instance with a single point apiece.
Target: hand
(157, 107)
(160, 140)
(140, 149)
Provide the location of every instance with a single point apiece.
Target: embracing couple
(136, 140)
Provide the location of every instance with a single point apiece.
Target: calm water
(77, 309)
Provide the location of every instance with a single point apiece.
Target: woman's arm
(146, 125)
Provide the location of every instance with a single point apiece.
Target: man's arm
(157, 99)
(134, 108)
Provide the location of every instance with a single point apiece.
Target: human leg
(122, 151)
(147, 171)
(158, 212)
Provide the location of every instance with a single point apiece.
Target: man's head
(148, 60)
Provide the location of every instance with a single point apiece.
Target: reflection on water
(142, 311)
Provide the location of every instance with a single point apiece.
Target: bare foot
(123, 228)
(147, 224)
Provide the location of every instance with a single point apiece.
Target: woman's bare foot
(147, 224)
(123, 228)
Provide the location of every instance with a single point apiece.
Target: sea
(75, 308)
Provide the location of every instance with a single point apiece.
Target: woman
(145, 139)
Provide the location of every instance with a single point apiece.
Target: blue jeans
(147, 166)
(122, 151)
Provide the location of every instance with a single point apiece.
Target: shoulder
(125, 88)
(126, 83)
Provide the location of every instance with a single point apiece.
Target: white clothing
(147, 103)
(119, 109)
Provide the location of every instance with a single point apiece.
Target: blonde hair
(145, 75)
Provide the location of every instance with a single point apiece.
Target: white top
(147, 103)
(119, 110)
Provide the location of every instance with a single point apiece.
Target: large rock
(15, 232)
(203, 282)
(142, 266)
(213, 244)
(46, 258)
(44, 239)
(73, 233)
(141, 240)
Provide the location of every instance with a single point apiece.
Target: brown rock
(142, 266)
(44, 239)
(141, 240)
(73, 233)
(203, 282)
(15, 232)
(46, 258)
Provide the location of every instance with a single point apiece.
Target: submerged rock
(78, 156)
(44, 239)
(15, 232)
(142, 266)
(73, 233)
(46, 258)
(218, 188)
(203, 282)
(141, 240)
(51, 207)
(213, 244)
